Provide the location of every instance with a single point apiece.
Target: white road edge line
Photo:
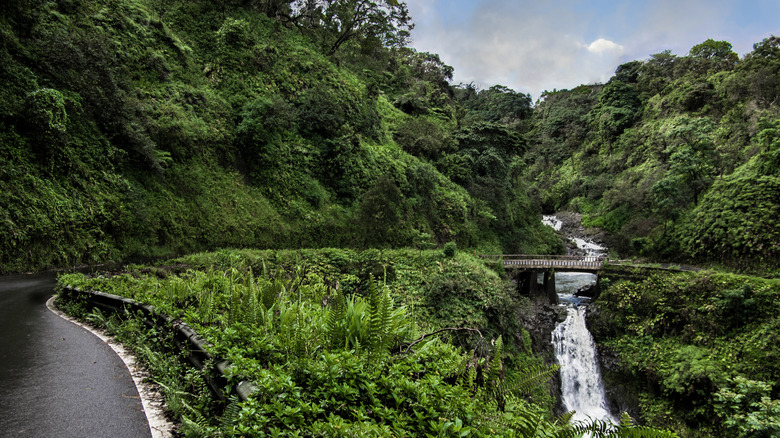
(152, 399)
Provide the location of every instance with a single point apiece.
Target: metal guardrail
(185, 338)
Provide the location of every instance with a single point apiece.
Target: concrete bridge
(590, 264)
(526, 269)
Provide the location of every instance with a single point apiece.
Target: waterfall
(552, 221)
(581, 387)
(575, 351)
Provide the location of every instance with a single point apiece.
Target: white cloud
(527, 46)
(605, 46)
(532, 46)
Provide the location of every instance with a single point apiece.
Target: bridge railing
(549, 261)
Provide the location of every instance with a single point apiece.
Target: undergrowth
(332, 354)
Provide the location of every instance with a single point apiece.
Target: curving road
(57, 379)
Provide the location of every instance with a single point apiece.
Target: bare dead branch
(446, 329)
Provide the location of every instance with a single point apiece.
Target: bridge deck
(577, 263)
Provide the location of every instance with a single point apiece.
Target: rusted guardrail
(184, 337)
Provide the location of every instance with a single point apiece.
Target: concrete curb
(185, 338)
(151, 398)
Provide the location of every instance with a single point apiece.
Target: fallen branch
(447, 329)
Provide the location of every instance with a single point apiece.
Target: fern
(375, 318)
(335, 332)
(197, 427)
(299, 339)
(525, 381)
(471, 377)
(206, 305)
(97, 318)
(626, 429)
(236, 309)
(386, 316)
(230, 416)
(253, 306)
(380, 311)
(495, 366)
(273, 291)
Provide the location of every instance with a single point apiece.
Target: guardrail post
(185, 338)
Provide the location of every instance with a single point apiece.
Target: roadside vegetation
(150, 129)
(343, 343)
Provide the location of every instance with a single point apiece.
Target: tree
(422, 138)
(628, 72)
(714, 50)
(496, 104)
(343, 20)
(667, 199)
(693, 159)
(427, 66)
(484, 136)
(761, 71)
(657, 72)
(380, 212)
(713, 55)
(421, 80)
(619, 105)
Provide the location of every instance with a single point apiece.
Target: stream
(582, 390)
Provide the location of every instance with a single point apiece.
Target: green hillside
(676, 156)
(143, 128)
(135, 128)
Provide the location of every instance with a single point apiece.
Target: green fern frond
(524, 382)
(230, 416)
(640, 432)
(605, 429)
(386, 313)
(496, 366)
(97, 318)
(494, 378)
(375, 318)
(335, 332)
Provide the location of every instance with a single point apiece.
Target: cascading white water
(552, 221)
(581, 387)
(575, 351)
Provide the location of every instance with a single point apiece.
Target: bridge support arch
(528, 284)
(526, 268)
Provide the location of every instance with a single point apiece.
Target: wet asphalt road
(57, 379)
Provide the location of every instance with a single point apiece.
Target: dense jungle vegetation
(693, 352)
(137, 128)
(676, 156)
(344, 343)
(134, 129)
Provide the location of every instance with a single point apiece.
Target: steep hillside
(676, 156)
(135, 128)
(140, 128)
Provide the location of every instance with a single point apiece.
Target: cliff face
(539, 321)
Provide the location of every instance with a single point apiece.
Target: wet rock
(587, 291)
(540, 321)
(621, 389)
(572, 229)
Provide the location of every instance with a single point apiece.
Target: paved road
(57, 379)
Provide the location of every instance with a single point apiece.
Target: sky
(537, 45)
